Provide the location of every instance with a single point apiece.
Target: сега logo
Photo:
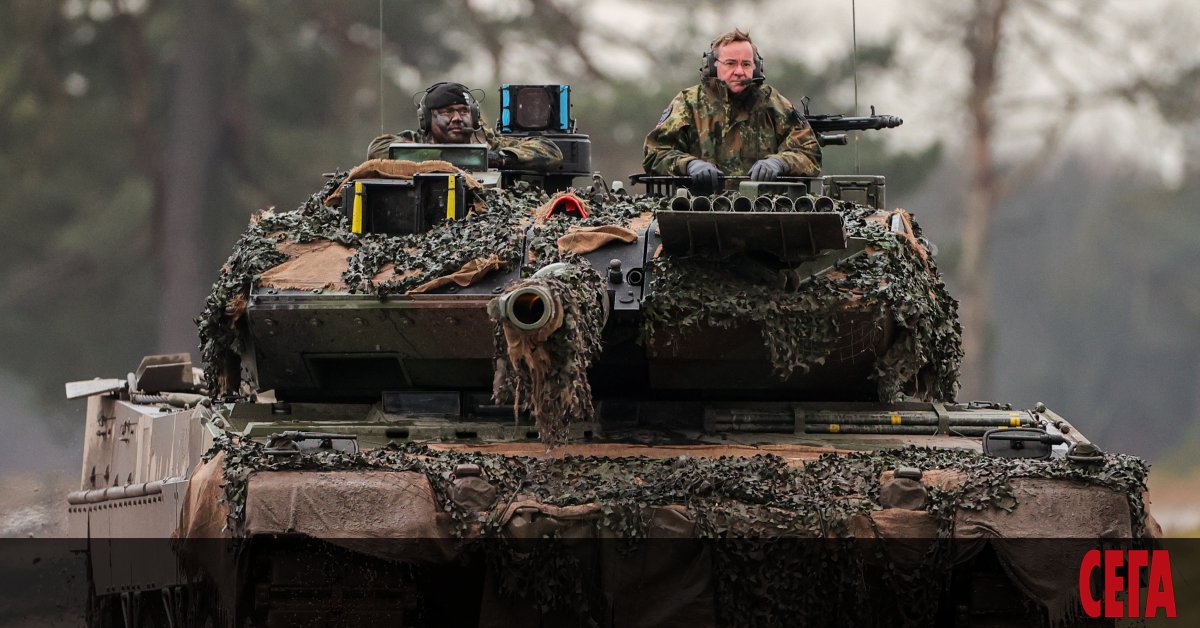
(1160, 593)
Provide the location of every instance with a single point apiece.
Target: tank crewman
(448, 114)
(732, 124)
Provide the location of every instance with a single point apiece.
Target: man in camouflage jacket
(451, 113)
(732, 124)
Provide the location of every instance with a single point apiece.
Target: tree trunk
(189, 166)
(983, 40)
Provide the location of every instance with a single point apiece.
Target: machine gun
(831, 128)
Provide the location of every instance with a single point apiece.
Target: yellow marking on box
(834, 428)
(896, 419)
(1015, 421)
(450, 198)
(356, 216)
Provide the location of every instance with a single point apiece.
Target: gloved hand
(704, 175)
(499, 158)
(767, 169)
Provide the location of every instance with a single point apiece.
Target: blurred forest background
(1050, 149)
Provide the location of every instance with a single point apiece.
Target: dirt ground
(34, 505)
(44, 581)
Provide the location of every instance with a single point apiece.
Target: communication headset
(709, 69)
(424, 118)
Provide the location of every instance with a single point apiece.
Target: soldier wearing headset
(731, 124)
(449, 114)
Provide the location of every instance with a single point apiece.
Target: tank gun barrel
(527, 308)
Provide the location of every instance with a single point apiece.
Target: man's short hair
(734, 35)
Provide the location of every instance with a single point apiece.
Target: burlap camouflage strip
(760, 499)
(393, 169)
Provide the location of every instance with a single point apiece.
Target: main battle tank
(436, 394)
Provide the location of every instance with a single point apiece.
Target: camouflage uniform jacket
(704, 122)
(535, 153)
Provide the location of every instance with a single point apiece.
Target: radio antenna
(854, 66)
(381, 68)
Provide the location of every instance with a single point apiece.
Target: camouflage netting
(255, 252)
(496, 229)
(381, 264)
(897, 279)
(758, 498)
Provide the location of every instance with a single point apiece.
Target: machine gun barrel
(835, 123)
(831, 128)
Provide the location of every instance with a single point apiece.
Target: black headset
(423, 116)
(709, 69)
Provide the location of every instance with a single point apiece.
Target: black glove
(767, 169)
(704, 175)
(499, 159)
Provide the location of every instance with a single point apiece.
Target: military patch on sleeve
(666, 114)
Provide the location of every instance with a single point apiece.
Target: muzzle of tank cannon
(528, 308)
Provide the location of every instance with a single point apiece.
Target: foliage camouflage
(761, 500)
(496, 230)
(446, 247)
(798, 328)
(254, 253)
(437, 252)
